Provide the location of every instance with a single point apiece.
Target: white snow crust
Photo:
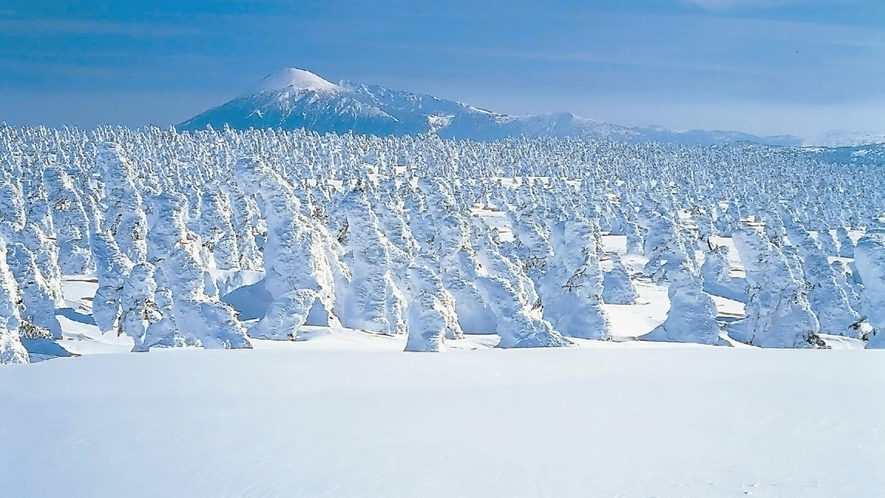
(294, 421)
(295, 80)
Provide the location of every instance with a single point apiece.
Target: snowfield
(300, 421)
(345, 413)
(271, 313)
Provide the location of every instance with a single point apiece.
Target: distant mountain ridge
(842, 138)
(295, 98)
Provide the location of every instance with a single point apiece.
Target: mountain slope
(294, 98)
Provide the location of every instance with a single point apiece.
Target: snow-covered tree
(846, 245)
(826, 242)
(870, 262)
(248, 226)
(37, 305)
(517, 326)
(431, 316)
(571, 289)
(217, 231)
(122, 203)
(373, 301)
(827, 298)
(137, 308)
(70, 222)
(841, 275)
(198, 319)
(778, 314)
(112, 270)
(667, 258)
(692, 315)
(617, 288)
(717, 277)
(11, 348)
(298, 274)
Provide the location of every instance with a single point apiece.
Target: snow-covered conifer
(717, 278)
(778, 314)
(11, 348)
(121, 206)
(826, 242)
(69, 221)
(495, 264)
(704, 222)
(216, 230)
(25, 224)
(373, 300)
(431, 316)
(667, 258)
(716, 267)
(692, 315)
(37, 305)
(161, 331)
(617, 288)
(635, 242)
(298, 272)
(137, 308)
(828, 299)
(841, 274)
(248, 226)
(198, 318)
(532, 244)
(571, 289)
(870, 262)
(112, 268)
(846, 245)
(516, 325)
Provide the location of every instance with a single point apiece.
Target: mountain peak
(298, 99)
(294, 79)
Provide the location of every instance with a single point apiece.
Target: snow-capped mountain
(295, 98)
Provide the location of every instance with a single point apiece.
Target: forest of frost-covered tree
(383, 235)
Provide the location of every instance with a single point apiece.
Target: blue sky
(764, 66)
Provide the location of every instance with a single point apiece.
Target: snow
(293, 79)
(291, 421)
(273, 242)
(342, 412)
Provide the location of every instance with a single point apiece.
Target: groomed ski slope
(575, 422)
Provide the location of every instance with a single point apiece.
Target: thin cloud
(34, 28)
(719, 5)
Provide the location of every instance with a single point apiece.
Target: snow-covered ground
(297, 421)
(346, 413)
(307, 264)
